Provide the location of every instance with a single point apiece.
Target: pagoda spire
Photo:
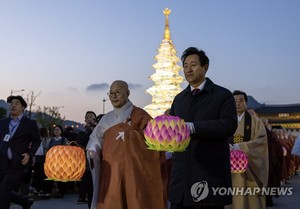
(166, 77)
(167, 34)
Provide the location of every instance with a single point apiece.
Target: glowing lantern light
(166, 78)
(65, 163)
(167, 133)
(238, 161)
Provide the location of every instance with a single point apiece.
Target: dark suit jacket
(26, 139)
(207, 158)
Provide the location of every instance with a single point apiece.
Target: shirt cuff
(191, 127)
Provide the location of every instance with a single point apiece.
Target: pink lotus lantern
(167, 133)
(238, 161)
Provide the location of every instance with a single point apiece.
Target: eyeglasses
(111, 93)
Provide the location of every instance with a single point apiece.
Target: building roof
(253, 104)
(269, 109)
(288, 108)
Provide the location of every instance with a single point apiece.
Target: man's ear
(206, 68)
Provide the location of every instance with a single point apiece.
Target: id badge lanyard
(12, 130)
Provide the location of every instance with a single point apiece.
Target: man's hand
(25, 159)
(234, 147)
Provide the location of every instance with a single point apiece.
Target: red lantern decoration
(238, 161)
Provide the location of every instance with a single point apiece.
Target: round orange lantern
(238, 161)
(65, 163)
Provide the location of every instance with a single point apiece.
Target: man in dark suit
(210, 113)
(19, 140)
(86, 184)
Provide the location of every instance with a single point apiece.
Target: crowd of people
(122, 173)
(23, 151)
(48, 189)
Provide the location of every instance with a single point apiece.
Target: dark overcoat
(26, 139)
(206, 162)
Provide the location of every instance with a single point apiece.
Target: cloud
(97, 87)
(134, 86)
(72, 89)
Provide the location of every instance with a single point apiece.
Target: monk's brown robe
(275, 164)
(275, 160)
(286, 158)
(132, 177)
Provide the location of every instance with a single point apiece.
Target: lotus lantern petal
(238, 161)
(167, 133)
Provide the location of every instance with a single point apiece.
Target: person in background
(209, 112)
(57, 139)
(286, 156)
(251, 138)
(131, 176)
(19, 140)
(39, 176)
(72, 136)
(86, 184)
(275, 162)
(290, 140)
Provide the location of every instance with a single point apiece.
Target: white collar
(56, 138)
(201, 87)
(240, 117)
(124, 111)
(17, 118)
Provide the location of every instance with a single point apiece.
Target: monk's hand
(91, 153)
(26, 158)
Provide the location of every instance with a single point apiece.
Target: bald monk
(131, 176)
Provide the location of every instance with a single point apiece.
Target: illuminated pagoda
(166, 77)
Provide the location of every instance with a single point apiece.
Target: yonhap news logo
(281, 191)
(200, 191)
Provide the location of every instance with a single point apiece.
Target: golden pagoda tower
(166, 77)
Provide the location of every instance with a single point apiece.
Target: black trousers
(21, 200)
(38, 177)
(9, 181)
(86, 187)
